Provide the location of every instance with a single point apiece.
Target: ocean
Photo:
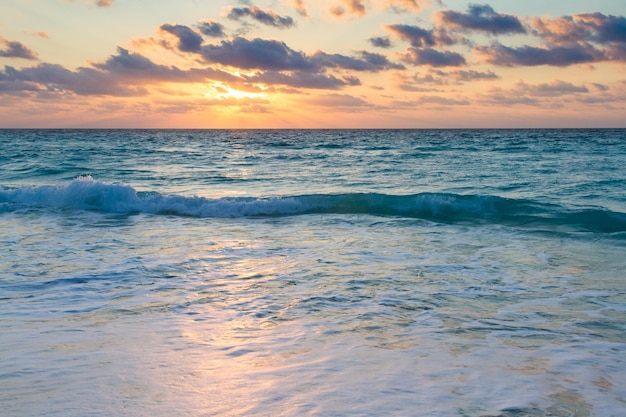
(313, 272)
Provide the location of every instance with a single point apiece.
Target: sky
(312, 64)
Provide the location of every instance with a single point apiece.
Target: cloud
(380, 42)
(337, 11)
(554, 89)
(605, 28)
(338, 100)
(433, 58)
(211, 29)
(268, 17)
(301, 79)
(415, 35)
(482, 18)
(586, 27)
(41, 34)
(15, 49)
(560, 56)
(258, 54)
(355, 7)
(419, 37)
(188, 39)
(439, 77)
(124, 74)
(366, 62)
(538, 94)
(436, 100)
(401, 6)
(272, 55)
(301, 8)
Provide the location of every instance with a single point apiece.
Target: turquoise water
(313, 272)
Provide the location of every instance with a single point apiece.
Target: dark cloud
(123, 74)
(188, 39)
(128, 65)
(617, 52)
(586, 27)
(15, 49)
(560, 56)
(607, 28)
(258, 54)
(212, 29)
(415, 35)
(266, 17)
(366, 62)
(103, 3)
(272, 55)
(419, 37)
(482, 18)
(433, 58)
(380, 42)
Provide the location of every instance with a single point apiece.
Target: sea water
(313, 272)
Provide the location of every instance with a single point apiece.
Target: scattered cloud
(482, 18)
(188, 39)
(367, 61)
(301, 8)
(556, 88)
(433, 58)
(356, 7)
(560, 56)
(403, 6)
(454, 77)
(432, 100)
(257, 54)
(338, 100)
(15, 49)
(301, 79)
(415, 35)
(41, 34)
(211, 29)
(337, 11)
(266, 17)
(380, 41)
(586, 27)
(124, 74)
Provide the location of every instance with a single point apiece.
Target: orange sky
(299, 63)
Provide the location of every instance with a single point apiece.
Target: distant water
(313, 272)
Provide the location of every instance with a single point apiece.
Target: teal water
(313, 272)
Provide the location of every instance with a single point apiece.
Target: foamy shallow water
(334, 312)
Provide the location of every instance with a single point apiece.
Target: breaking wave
(85, 193)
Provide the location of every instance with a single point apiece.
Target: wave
(85, 193)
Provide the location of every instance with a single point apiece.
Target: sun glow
(224, 92)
